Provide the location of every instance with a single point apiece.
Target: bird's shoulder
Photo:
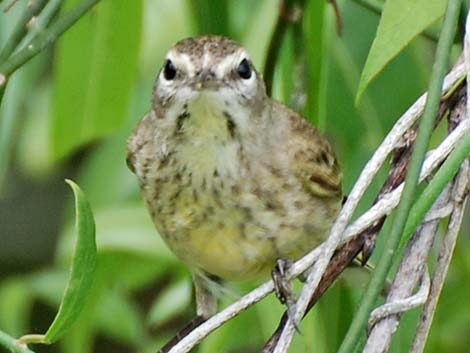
(140, 142)
(312, 159)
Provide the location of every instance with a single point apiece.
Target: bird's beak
(206, 80)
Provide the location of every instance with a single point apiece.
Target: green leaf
(82, 272)
(119, 318)
(173, 301)
(16, 301)
(314, 38)
(210, 16)
(48, 285)
(116, 224)
(402, 20)
(95, 66)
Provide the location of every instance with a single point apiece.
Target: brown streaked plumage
(234, 180)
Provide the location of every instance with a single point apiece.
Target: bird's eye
(244, 69)
(169, 70)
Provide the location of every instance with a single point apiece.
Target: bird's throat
(208, 143)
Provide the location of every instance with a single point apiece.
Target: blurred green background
(67, 114)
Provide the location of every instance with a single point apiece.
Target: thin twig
(182, 333)
(290, 12)
(400, 161)
(389, 201)
(445, 255)
(380, 336)
(462, 189)
(338, 263)
(10, 5)
(338, 18)
(400, 305)
(407, 276)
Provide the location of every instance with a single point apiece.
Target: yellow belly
(235, 243)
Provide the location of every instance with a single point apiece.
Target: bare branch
(445, 255)
(401, 305)
(409, 272)
(462, 189)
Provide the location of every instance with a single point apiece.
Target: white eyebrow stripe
(228, 63)
(182, 61)
(206, 58)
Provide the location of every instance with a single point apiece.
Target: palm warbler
(233, 179)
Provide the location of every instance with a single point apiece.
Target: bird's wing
(313, 160)
(138, 142)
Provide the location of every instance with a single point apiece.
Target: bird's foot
(283, 288)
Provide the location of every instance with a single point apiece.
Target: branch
(409, 272)
(418, 249)
(462, 190)
(445, 255)
(290, 12)
(401, 159)
(400, 305)
(338, 263)
(411, 181)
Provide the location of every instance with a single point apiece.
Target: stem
(283, 21)
(273, 53)
(375, 286)
(42, 21)
(9, 6)
(21, 28)
(12, 344)
(372, 5)
(33, 338)
(437, 184)
(442, 266)
(3, 84)
(47, 38)
(315, 40)
(42, 41)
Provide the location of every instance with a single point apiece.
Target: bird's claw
(283, 288)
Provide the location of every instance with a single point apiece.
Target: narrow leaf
(173, 300)
(95, 66)
(402, 20)
(315, 59)
(82, 271)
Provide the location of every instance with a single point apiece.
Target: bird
(234, 180)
